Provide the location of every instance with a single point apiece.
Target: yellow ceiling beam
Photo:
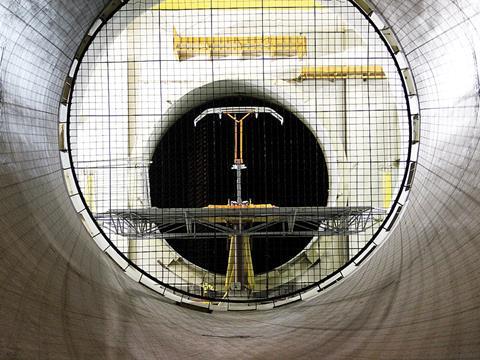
(342, 72)
(387, 188)
(187, 47)
(176, 5)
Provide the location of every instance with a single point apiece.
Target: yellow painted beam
(234, 218)
(249, 206)
(229, 276)
(187, 47)
(177, 5)
(342, 72)
(90, 191)
(247, 264)
(387, 186)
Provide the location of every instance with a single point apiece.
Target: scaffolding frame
(210, 223)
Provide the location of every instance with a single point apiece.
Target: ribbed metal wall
(417, 297)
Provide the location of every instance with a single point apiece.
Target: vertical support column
(132, 82)
(240, 125)
(132, 72)
(90, 190)
(240, 275)
(239, 185)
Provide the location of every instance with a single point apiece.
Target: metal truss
(220, 111)
(210, 223)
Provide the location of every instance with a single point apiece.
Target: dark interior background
(191, 168)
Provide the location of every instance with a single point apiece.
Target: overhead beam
(333, 72)
(187, 47)
(220, 111)
(177, 5)
(192, 223)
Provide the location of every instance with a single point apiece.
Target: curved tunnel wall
(417, 297)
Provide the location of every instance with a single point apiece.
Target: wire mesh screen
(239, 150)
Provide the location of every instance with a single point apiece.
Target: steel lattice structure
(210, 223)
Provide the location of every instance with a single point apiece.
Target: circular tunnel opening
(148, 73)
(192, 168)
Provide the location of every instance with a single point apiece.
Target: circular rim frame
(388, 37)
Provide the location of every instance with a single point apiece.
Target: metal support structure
(238, 163)
(241, 225)
(238, 110)
(240, 274)
(204, 223)
(188, 47)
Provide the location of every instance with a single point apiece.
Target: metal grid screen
(239, 150)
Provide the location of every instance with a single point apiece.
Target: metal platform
(205, 223)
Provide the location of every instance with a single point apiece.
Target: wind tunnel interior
(416, 297)
(191, 167)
